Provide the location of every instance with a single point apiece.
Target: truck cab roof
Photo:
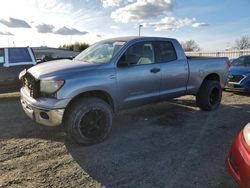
(131, 38)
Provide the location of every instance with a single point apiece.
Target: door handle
(155, 70)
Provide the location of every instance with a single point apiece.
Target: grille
(32, 84)
(235, 78)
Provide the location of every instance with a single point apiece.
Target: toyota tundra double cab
(83, 94)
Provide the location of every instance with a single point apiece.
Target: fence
(230, 54)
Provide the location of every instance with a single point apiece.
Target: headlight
(246, 134)
(50, 86)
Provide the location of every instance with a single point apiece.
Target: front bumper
(43, 116)
(237, 87)
(241, 86)
(50, 113)
(238, 161)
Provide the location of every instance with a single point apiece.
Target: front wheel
(209, 95)
(89, 121)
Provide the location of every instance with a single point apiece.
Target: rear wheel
(209, 95)
(89, 121)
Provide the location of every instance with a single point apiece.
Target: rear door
(139, 82)
(16, 59)
(174, 72)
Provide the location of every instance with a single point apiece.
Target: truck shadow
(164, 146)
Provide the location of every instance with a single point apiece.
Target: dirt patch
(171, 144)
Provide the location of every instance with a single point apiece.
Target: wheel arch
(211, 76)
(93, 93)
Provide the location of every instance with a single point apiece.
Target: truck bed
(201, 66)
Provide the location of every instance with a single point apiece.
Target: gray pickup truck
(115, 74)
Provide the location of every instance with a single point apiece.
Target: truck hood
(59, 67)
(239, 70)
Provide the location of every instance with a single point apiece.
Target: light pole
(140, 29)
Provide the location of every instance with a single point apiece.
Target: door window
(139, 54)
(165, 52)
(1, 56)
(19, 55)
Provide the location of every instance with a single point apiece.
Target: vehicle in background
(239, 75)
(113, 75)
(12, 62)
(44, 54)
(238, 159)
(49, 58)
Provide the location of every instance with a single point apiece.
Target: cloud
(115, 27)
(12, 22)
(114, 3)
(111, 3)
(45, 28)
(142, 10)
(154, 13)
(6, 33)
(171, 23)
(200, 24)
(69, 31)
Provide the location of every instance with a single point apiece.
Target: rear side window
(165, 52)
(1, 56)
(19, 55)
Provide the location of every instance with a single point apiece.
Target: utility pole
(140, 26)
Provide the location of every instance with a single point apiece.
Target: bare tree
(190, 46)
(242, 43)
(78, 47)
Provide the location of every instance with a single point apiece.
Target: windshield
(101, 52)
(242, 61)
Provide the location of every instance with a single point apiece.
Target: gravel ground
(171, 144)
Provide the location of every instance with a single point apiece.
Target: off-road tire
(78, 118)
(209, 96)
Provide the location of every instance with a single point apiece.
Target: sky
(214, 25)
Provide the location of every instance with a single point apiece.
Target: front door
(139, 77)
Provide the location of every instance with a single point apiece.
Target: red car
(238, 159)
